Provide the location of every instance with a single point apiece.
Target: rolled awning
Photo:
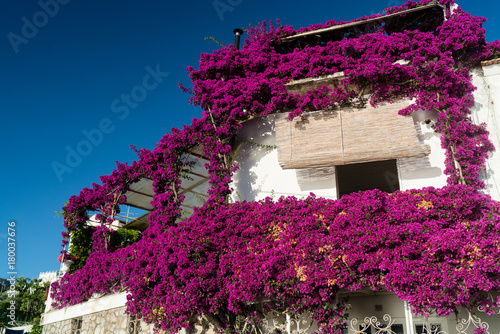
(347, 136)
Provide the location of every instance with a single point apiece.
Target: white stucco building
(274, 161)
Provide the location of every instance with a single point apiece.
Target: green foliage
(37, 328)
(29, 300)
(263, 146)
(81, 246)
(124, 237)
(211, 38)
(4, 304)
(81, 243)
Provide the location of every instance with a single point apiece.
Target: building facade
(331, 153)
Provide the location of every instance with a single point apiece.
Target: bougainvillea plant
(438, 249)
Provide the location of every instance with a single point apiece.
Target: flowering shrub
(436, 248)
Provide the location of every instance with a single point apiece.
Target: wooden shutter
(348, 136)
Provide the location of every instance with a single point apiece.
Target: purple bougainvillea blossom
(438, 249)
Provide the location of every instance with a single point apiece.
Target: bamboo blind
(348, 136)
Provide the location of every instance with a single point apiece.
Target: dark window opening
(428, 328)
(394, 329)
(76, 325)
(382, 175)
(134, 325)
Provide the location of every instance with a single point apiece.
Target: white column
(409, 319)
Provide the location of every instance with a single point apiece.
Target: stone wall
(113, 321)
(58, 327)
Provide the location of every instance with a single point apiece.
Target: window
(394, 329)
(382, 175)
(76, 325)
(428, 328)
(134, 325)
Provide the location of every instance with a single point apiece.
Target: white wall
(91, 306)
(487, 109)
(415, 173)
(260, 174)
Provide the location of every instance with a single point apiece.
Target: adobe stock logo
(121, 107)
(29, 28)
(222, 6)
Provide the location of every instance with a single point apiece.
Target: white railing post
(409, 318)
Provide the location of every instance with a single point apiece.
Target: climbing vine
(298, 254)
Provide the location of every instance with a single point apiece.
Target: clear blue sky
(63, 75)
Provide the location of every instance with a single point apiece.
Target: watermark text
(30, 27)
(11, 272)
(120, 106)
